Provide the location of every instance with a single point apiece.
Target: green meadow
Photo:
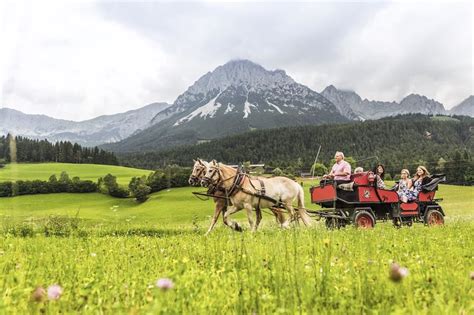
(107, 255)
(42, 171)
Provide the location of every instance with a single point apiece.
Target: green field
(42, 171)
(107, 254)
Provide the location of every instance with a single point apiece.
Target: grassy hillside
(42, 171)
(112, 262)
(175, 207)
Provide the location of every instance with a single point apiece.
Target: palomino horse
(220, 199)
(243, 194)
(199, 170)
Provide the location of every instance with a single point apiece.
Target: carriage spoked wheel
(434, 217)
(364, 220)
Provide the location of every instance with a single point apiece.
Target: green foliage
(277, 172)
(398, 142)
(139, 189)
(171, 176)
(109, 185)
(319, 169)
(33, 187)
(28, 150)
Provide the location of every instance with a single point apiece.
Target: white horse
(280, 189)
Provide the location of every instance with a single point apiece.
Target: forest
(21, 149)
(443, 144)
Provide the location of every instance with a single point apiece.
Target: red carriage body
(364, 204)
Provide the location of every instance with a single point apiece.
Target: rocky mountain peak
(466, 107)
(415, 103)
(237, 73)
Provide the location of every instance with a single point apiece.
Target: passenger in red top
(341, 170)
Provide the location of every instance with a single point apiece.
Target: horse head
(213, 174)
(199, 170)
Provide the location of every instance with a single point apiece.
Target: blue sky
(80, 59)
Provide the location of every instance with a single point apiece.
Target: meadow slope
(42, 171)
(107, 254)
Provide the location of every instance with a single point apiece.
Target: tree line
(21, 149)
(52, 185)
(138, 187)
(443, 145)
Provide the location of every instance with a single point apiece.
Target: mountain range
(92, 132)
(235, 97)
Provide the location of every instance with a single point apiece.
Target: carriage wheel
(434, 217)
(364, 220)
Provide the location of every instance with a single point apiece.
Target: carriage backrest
(360, 179)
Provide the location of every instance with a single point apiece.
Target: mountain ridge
(91, 132)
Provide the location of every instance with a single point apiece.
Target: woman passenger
(420, 178)
(404, 185)
(379, 172)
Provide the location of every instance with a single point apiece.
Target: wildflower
(165, 284)
(54, 292)
(397, 273)
(93, 254)
(38, 294)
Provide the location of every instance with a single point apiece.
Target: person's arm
(409, 184)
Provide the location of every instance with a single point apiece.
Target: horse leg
(291, 211)
(232, 224)
(279, 217)
(259, 218)
(249, 210)
(219, 207)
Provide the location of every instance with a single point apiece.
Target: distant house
(203, 141)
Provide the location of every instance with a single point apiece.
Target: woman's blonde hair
(425, 172)
(405, 171)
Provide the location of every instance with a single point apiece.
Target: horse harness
(236, 186)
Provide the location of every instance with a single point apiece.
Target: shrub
(139, 189)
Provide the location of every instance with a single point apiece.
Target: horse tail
(301, 210)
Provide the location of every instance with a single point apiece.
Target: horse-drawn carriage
(361, 203)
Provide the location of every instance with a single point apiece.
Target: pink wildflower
(54, 292)
(165, 284)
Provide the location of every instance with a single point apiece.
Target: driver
(341, 170)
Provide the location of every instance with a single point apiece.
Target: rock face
(354, 107)
(102, 129)
(466, 107)
(345, 101)
(236, 97)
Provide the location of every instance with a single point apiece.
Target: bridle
(219, 181)
(193, 179)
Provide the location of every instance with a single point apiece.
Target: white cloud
(77, 60)
(69, 62)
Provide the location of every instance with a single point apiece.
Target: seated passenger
(341, 170)
(404, 185)
(421, 177)
(379, 172)
(358, 170)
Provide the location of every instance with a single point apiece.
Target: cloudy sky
(80, 59)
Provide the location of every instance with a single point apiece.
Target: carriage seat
(360, 179)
